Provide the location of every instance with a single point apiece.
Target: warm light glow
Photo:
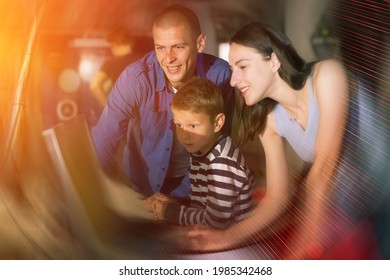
(87, 67)
(69, 80)
(223, 51)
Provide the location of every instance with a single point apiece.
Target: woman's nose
(234, 80)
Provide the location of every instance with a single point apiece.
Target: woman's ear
(219, 122)
(275, 63)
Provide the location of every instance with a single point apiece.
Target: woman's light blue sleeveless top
(301, 140)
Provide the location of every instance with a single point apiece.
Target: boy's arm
(225, 185)
(160, 203)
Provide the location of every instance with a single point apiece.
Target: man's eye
(178, 125)
(193, 125)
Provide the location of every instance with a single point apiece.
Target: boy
(221, 183)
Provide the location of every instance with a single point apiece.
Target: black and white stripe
(221, 185)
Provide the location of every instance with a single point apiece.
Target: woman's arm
(270, 207)
(331, 89)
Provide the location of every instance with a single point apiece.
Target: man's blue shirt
(138, 107)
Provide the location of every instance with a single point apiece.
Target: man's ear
(275, 63)
(201, 43)
(219, 122)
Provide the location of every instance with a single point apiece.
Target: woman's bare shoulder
(329, 78)
(328, 68)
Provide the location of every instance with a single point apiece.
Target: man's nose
(170, 55)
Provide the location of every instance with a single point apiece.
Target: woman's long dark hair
(293, 70)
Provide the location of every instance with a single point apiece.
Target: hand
(158, 196)
(158, 203)
(159, 209)
(201, 238)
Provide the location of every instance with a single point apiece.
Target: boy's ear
(219, 122)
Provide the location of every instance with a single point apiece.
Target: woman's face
(252, 74)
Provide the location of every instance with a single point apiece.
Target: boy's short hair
(199, 95)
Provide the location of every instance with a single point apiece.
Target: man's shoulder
(213, 68)
(145, 63)
(147, 70)
(212, 60)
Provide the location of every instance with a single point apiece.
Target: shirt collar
(199, 156)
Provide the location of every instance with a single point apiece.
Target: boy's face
(195, 131)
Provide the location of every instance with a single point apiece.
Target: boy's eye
(178, 125)
(193, 125)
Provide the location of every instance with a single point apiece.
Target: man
(139, 105)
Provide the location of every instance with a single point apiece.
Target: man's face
(176, 49)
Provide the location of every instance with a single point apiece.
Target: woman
(307, 105)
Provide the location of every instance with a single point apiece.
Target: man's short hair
(180, 13)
